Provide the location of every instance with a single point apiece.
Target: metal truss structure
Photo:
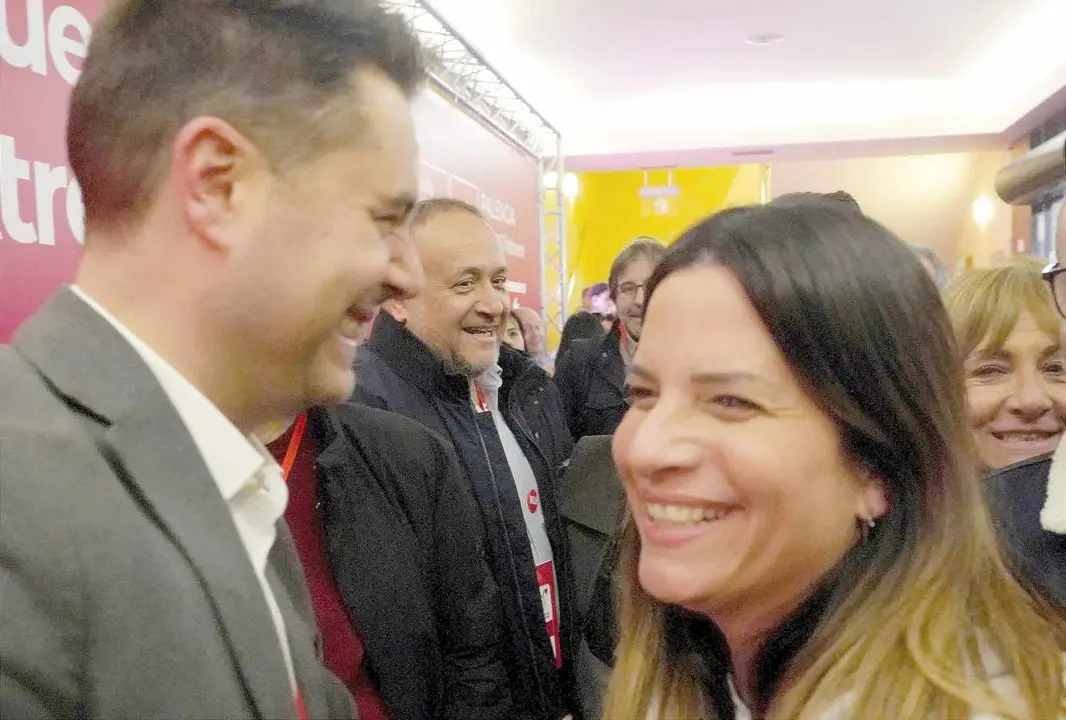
(459, 72)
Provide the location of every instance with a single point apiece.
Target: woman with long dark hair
(808, 536)
(513, 334)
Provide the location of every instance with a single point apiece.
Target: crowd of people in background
(285, 449)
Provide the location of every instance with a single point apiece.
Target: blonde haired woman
(808, 536)
(1007, 329)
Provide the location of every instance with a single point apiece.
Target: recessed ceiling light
(765, 39)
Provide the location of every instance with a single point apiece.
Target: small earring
(866, 526)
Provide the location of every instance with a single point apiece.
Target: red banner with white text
(42, 45)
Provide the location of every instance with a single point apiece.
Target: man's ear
(397, 308)
(219, 177)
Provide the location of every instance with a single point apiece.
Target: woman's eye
(988, 371)
(1055, 368)
(637, 395)
(392, 220)
(735, 404)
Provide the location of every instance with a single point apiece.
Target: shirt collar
(233, 459)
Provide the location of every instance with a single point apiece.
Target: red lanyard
(625, 341)
(294, 445)
(286, 468)
(479, 398)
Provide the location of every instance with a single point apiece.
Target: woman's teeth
(684, 515)
(1028, 436)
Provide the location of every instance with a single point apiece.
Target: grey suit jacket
(125, 591)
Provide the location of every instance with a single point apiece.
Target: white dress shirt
(248, 478)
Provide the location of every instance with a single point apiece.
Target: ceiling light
(983, 211)
(571, 186)
(765, 39)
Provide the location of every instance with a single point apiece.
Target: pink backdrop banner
(42, 45)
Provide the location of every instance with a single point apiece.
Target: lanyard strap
(294, 445)
(627, 349)
(480, 401)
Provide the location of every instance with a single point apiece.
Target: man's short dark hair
(428, 209)
(643, 247)
(280, 71)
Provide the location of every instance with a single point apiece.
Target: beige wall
(925, 199)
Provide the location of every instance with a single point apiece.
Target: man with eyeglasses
(1028, 499)
(591, 376)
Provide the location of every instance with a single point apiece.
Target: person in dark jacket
(580, 326)
(591, 375)
(593, 505)
(393, 550)
(437, 358)
(1018, 495)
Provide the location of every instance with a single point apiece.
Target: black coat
(405, 544)
(398, 371)
(591, 380)
(593, 505)
(1016, 495)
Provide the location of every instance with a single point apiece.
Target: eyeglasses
(629, 290)
(1055, 276)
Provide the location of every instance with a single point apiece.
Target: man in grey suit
(246, 170)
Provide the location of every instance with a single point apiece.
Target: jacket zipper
(545, 705)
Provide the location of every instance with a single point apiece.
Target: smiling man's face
(463, 307)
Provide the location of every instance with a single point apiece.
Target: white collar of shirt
(233, 459)
(1053, 516)
(490, 382)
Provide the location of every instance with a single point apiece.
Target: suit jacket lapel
(86, 360)
(163, 465)
(285, 575)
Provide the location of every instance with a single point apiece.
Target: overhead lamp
(983, 211)
(571, 186)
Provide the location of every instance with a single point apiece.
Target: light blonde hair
(984, 305)
(907, 626)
